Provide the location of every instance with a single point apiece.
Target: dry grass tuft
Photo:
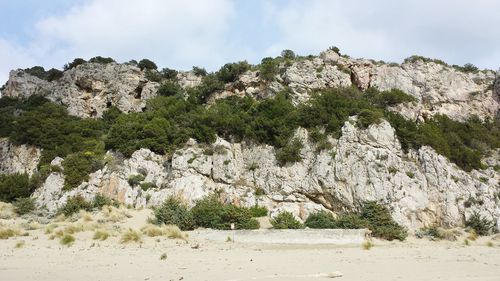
(152, 230)
(367, 245)
(67, 240)
(173, 232)
(113, 214)
(20, 244)
(490, 244)
(100, 235)
(472, 235)
(60, 218)
(163, 256)
(86, 216)
(466, 242)
(7, 211)
(131, 236)
(7, 232)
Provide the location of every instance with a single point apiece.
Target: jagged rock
(88, 89)
(421, 187)
(18, 158)
(187, 79)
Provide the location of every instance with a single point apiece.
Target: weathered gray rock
(18, 158)
(421, 187)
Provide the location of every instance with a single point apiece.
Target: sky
(209, 33)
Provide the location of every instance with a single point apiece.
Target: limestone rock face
(88, 89)
(421, 187)
(18, 158)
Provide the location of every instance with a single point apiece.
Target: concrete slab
(286, 236)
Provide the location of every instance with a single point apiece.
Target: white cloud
(172, 33)
(457, 31)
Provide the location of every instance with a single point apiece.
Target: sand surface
(86, 259)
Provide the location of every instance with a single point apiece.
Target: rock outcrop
(18, 158)
(421, 187)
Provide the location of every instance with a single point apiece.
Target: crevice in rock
(138, 90)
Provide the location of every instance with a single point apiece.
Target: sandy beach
(41, 256)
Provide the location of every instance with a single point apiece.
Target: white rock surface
(18, 158)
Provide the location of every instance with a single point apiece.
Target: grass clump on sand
(258, 211)
(367, 245)
(481, 226)
(170, 231)
(131, 236)
(20, 244)
(437, 233)
(100, 235)
(7, 232)
(163, 256)
(67, 240)
(286, 220)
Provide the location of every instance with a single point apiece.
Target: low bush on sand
(286, 220)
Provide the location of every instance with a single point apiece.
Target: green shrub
(286, 220)
(367, 117)
(169, 74)
(380, 222)
(269, 68)
(170, 88)
(101, 60)
(199, 71)
(77, 168)
(467, 68)
(173, 211)
(76, 62)
(135, 180)
(75, 204)
(258, 211)
(153, 75)
(147, 64)
(321, 219)
(290, 153)
(147, 185)
(231, 71)
(288, 54)
(24, 205)
(53, 74)
(101, 201)
(15, 186)
(479, 224)
(209, 212)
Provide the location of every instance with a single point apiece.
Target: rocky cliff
(421, 187)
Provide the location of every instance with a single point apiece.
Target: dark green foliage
(170, 88)
(324, 219)
(416, 58)
(77, 168)
(209, 212)
(153, 75)
(101, 201)
(147, 64)
(387, 98)
(288, 54)
(286, 220)
(199, 71)
(321, 219)
(335, 49)
(373, 216)
(75, 204)
(24, 205)
(169, 74)
(479, 224)
(76, 62)
(366, 117)
(258, 211)
(135, 180)
(380, 222)
(147, 185)
(269, 67)
(467, 68)
(50, 75)
(173, 211)
(290, 153)
(101, 60)
(53, 74)
(15, 186)
(231, 71)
